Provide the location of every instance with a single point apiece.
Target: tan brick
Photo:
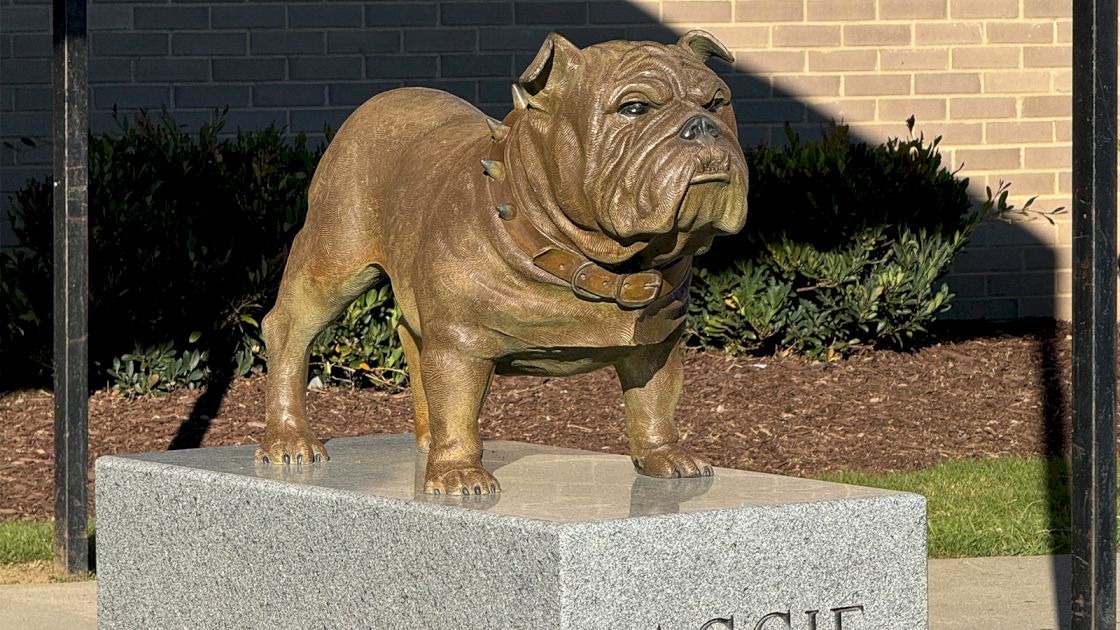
(910, 9)
(960, 9)
(1063, 82)
(876, 84)
(843, 60)
(1065, 182)
(1047, 8)
(801, 85)
(769, 11)
(770, 61)
(796, 35)
(987, 57)
(914, 59)
(695, 11)
(1057, 157)
(877, 35)
(1063, 130)
(836, 10)
(848, 110)
(957, 133)
(1025, 185)
(1065, 31)
(986, 159)
(1018, 132)
(947, 83)
(1016, 82)
(891, 109)
(982, 108)
(738, 36)
(1020, 32)
(962, 33)
(1047, 56)
(1047, 106)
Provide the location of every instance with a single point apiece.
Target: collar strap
(588, 279)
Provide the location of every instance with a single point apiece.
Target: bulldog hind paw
(467, 480)
(669, 462)
(291, 447)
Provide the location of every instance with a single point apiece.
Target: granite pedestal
(207, 539)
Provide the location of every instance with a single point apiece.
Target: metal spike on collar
(505, 211)
(520, 97)
(498, 131)
(495, 169)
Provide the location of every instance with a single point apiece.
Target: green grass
(29, 541)
(987, 507)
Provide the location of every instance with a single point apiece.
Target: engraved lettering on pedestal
(724, 624)
(837, 615)
(812, 615)
(761, 625)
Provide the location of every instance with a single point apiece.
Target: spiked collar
(587, 279)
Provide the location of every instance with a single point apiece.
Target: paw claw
(461, 481)
(671, 462)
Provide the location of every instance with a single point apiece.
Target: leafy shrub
(844, 246)
(157, 369)
(361, 347)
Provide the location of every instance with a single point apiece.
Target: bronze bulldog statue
(555, 242)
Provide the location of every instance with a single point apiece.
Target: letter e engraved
(812, 614)
(837, 613)
(725, 624)
(774, 615)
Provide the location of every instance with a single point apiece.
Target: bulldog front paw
(291, 446)
(465, 480)
(670, 461)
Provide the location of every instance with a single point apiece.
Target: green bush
(844, 247)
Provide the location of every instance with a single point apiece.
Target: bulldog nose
(699, 127)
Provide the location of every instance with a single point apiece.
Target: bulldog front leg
(651, 380)
(455, 386)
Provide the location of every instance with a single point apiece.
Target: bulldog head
(634, 147)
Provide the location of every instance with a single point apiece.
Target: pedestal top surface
(538, 482)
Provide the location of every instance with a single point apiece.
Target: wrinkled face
(645, 148)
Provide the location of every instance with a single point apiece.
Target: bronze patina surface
(554, 242)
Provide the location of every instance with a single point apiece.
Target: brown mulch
(980, 391)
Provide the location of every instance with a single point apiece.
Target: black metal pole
(1093, 585)
(71, 285)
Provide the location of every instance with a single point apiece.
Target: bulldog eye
(714, 104)
(635, 108)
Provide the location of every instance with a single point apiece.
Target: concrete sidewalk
(990, 593)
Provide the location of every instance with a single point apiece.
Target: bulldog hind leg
(411, 345)
(313, 291)
(651, 381)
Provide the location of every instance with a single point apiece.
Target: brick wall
(990, 76)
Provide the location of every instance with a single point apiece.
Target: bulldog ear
(554, 64)
(704, 45)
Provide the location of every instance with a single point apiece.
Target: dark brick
(476, 13)
(15, 177)
(171, 69)
(401, 14)
(130, 96)
(286, 42)
(651, 32)
(41, 155)
(746, 86)
(312, 15)
(511, 38)
(400, 66)
(171, 17)
(130, 44)
(358, 93)
(989, 259)
(26, 46)
(551, 13)
(314, 120)
(440, 40)
(1020, 284)
(109, 70)
(325, 68)
(279, 94)
(249, 69)
(496, 91)
(363, 41)
(777, 112)
(610, 12)
(248, 16)
(982, 309)
(466, 90)
(219, 96)
(102, 17)
(476, 65)
(254, 119)
(25, 20)
(23, 71)
(584, 37)
(209, 44)
(970, 285)
(32, 98)
(29, 124)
